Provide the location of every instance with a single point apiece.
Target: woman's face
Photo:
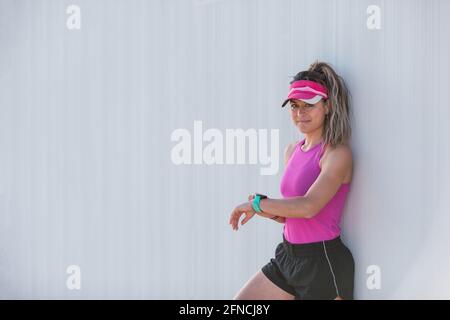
(306, 117)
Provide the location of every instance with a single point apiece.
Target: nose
(301, 110)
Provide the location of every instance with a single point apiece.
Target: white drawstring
(331, 268)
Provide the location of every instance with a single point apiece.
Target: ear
(329, 106)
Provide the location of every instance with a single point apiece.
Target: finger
(248, 217)
(236, 221)
(235, 218)
(232, 219)
(232, 216)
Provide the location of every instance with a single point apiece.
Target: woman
(311, 262)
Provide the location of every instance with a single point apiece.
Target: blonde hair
(337, 129)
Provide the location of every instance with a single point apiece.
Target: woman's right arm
(280, 219)
(267, 215)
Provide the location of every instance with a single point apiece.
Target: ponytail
(337, 128)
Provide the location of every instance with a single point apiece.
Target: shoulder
(288, 151)
(340, 155)
(342, 150)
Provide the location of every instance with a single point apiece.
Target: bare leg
(259, 287)
(338, 298)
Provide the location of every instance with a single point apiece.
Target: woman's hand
(262, 214)
(244, 208)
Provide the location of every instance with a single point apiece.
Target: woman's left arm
(334, 168)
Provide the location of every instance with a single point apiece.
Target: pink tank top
(301, 171)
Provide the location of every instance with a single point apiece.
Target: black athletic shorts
(318, 270)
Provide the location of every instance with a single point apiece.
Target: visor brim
(312, 100)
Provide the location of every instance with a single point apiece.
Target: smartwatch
(256, 200)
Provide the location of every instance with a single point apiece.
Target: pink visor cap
(306, 90)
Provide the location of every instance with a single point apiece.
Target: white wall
(86, 117)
